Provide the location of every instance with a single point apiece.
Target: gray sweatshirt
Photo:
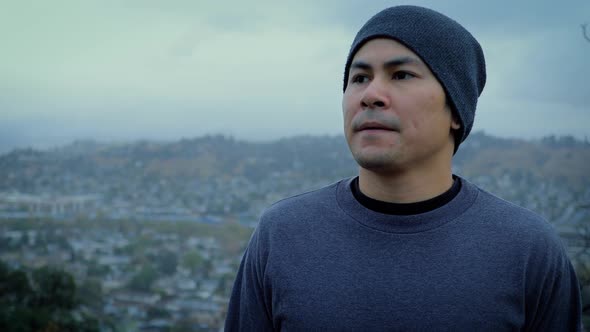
(320, 261)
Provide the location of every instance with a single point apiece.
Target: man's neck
(405, 187)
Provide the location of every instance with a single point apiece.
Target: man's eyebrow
(402, 61)
(360, 65)
(395, 62)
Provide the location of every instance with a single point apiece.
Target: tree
(142, 281)
(193, 260)
(55, 288)
(584, 32)
(14, 286)
(47, 302)
(157, 312)
(97, 270)
(167, 261)
(90, 294)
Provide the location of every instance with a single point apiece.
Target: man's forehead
(385, 51)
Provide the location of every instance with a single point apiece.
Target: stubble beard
(383, 162)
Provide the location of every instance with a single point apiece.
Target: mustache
(377, 116)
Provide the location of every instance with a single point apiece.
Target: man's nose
(374, 95)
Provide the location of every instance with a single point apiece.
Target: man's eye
(402, 75)
(359, 78)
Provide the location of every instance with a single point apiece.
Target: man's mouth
(373, 126)
(375, 122)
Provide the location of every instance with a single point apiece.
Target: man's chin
(375, 162)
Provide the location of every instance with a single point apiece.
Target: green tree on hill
(166, 262)
(142, 281)
(44, 302)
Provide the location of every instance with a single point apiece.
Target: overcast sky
(164, 70)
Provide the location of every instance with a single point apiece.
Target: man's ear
(455, 123)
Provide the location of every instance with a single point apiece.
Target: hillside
(217, 175)
(551, 159)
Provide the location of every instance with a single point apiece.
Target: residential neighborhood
(153, 233)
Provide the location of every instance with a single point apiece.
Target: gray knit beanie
(450, 51)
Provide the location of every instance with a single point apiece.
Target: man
(406, 245)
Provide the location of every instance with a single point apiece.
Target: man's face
(395, 114)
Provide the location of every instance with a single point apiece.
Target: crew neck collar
(414, 223)
(405, 208)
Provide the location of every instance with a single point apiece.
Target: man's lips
(375, 120)
(373, 126)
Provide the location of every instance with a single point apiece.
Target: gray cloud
(259, 70)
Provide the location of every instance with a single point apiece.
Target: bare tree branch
(584, 32)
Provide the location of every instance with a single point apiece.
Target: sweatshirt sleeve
(553, 299)
(248, 308)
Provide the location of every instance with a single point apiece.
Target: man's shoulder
(491, 203)
(305, 200)
(512, 218)
(308, 205)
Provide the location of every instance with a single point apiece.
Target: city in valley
(152, 233)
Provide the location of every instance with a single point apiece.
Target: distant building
(47, 205)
